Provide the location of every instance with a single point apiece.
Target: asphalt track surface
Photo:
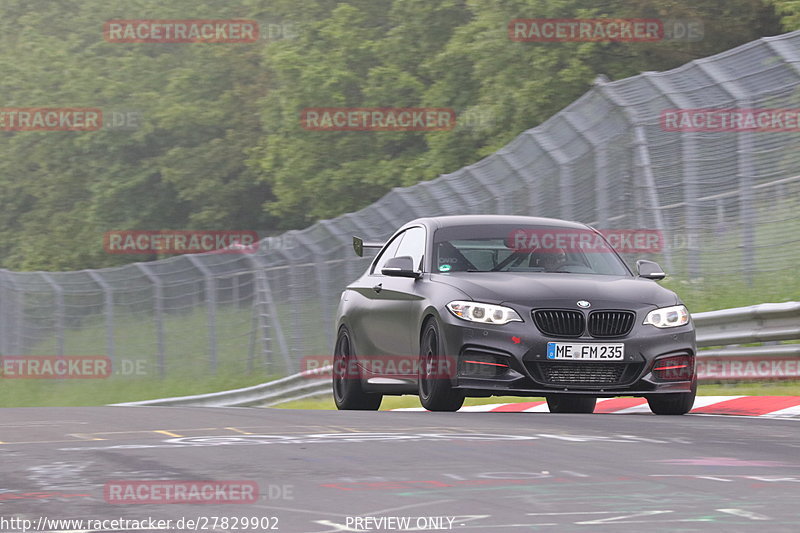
(317, 471)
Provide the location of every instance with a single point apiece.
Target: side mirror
(400, 267)
(649, 270)
(359, 245)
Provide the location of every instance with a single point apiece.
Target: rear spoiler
(359, 245)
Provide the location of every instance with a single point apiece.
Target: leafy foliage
(219, 144)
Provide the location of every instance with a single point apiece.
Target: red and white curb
(763, 406)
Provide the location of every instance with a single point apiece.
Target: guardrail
(308, 384)
(742, 325)
(764, 323)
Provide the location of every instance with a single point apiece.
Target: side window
(387, 253)
(413, 245)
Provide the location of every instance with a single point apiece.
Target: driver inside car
(549, 260)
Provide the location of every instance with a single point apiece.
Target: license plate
(586, 352)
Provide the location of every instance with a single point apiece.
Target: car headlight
(668, 317)
(484, 313)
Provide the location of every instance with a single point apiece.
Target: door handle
(378, 287)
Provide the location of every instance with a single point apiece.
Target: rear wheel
(673, 404)
(436, 392)
(566, 403)
(347, 391)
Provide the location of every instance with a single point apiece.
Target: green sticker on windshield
(444, 268)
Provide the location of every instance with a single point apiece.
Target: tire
(436, 392)
(570, 403)
(673, 404)
(347, 391)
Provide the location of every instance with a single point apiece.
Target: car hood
(538, 289)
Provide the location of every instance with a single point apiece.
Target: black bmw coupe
(482, 305)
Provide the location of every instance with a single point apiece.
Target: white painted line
(538, 409)
(705, 401)
(480, 408)
(624, 518)
(745, 514)
(789, 412)
(636, 409)
(792, 418)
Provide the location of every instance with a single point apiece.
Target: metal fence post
(601, 170)
(343, 248)
(565, 185)
(158, 314)
(641, 160)
(322, 282)
(744, 164)
(211, 305)
(108, 297)
(268, 318)
(565, 176)
(689, 158)
(4, 315)
(18, 328)
(58, 293)
(747, 213)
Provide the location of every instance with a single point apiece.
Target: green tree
(220, 144)
(789, 11)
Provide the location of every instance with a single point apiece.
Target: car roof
(473, 220)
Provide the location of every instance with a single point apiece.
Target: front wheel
(347, 391)
(436, 392)
(565, 403)
(678, 403)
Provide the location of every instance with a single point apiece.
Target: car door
(366, 301)
(390, 324)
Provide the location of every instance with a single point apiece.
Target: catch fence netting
(725, 202)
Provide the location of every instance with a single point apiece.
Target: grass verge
(68, 393)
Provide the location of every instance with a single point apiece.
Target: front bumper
(522, 348)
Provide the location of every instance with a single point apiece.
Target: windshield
(515, 248)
